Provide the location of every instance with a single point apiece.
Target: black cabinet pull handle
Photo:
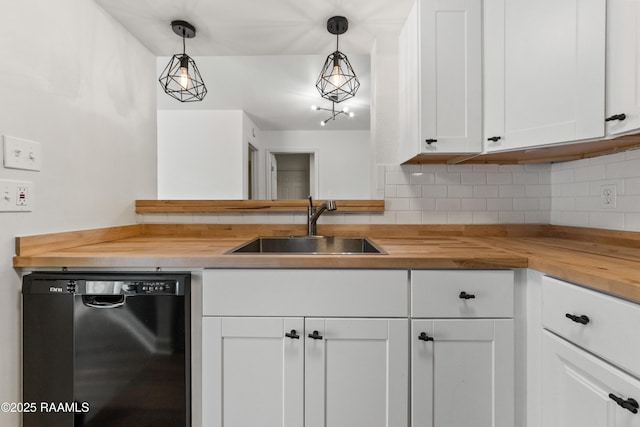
(430, 141)
(494, 138)
(620, 117)
(293, 335)
(315, 335)
(424, 337)
(630, 405)
(464, 295)
(578, 319)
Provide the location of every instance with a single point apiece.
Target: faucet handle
(331, 205)
(310, 202)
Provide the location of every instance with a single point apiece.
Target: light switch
(22, 154)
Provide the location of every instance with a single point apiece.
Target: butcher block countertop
(603, 259)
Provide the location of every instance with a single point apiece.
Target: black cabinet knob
(620, 117)
(424, 337)
(430, 141)
(578, 319)
(630, 405)
(494, 138)
(293, 335)
(315, 335)
(464, 295)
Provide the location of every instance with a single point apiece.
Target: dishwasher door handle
(103, 301)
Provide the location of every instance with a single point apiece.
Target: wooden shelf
(247, 206)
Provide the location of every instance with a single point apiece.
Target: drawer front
(305, 292)
(462, 293)
(609, 330)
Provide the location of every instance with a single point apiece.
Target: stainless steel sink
(308, 245)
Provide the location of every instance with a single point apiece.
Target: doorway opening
(292, 175)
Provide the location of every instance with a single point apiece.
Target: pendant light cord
(184, 45)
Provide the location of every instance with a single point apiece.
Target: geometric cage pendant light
(337, 80)
(181, 78)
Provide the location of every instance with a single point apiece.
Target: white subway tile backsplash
(525, 177)
(422, 178)
(512, 190)
(610, 220)
(460, 191)
(460, 217)
(448, 204)
(409, 191)
(434, 191)
(590, 173)
(566, 193)
(473, 204)
(473, 178)
(409, 217)
(485, 217)
(447, 178)
(486, 191)
(511, 217)
(499, 178)
(524, 204)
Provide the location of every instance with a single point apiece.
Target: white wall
(200, 154)
(344, 159)
(75, 81)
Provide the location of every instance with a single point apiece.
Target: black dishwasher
(106, 349)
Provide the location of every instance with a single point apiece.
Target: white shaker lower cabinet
(589, 357)
(305, 348)
(581, 390)
(462, 363)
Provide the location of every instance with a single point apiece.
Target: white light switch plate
(16, 196)
(22, 154)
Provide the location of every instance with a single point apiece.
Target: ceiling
(277, 94)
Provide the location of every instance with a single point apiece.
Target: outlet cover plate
(16, 196)
(608, 196)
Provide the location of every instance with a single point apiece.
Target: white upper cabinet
(544, 72)
(623, 62)
(440, 71)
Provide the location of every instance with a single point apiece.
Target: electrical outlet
(16, 196)
(608, 196)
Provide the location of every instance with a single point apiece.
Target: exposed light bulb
(184, 78)
(315, 107)
(337, 77)
(351, 114)
(345, 109)
(322, 123)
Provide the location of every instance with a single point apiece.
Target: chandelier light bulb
(345, 110)
(315, 107)
(322, 123)
(351, 114)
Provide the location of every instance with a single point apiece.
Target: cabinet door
(623, 65)
(544, 71)
(252, 373)
(356, 372)
(579, 389)
(441, 78)
(462, 373)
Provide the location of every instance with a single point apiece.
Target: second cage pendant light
(337, 80)
(181, 78)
